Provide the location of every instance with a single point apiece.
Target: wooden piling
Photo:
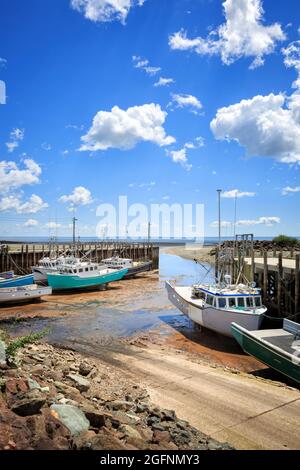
(279, 282)
(265, 276)
(297, 286)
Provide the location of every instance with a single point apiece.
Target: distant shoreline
(202, 254)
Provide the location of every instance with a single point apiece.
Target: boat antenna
(74, 231)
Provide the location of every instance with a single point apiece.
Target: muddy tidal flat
(133, 330)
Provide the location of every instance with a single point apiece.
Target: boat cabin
(88, 269)
(224, 300)
(116, 262)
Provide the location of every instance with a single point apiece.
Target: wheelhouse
(234, 301)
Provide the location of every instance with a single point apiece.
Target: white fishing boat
(133, 267)
(23, 293)
(46, 265)
(216, 306)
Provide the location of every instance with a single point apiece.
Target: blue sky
(65, 62)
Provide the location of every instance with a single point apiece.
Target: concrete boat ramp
(248, 412)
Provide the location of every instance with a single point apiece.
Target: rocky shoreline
(54, 398)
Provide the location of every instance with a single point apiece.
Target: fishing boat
(79, 274)
(9, 279)
(216, 306)
(133, 267)
(46, 265)
(23, 293)
(277, 348)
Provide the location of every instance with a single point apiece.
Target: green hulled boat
(81, 275)
(278, 348)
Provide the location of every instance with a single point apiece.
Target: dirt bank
(204, 254)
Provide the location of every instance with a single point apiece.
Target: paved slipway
(245, 411)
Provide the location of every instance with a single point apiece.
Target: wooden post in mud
(297, 286)
(252, 265)
(217, 264)
(280, 282)
(265, 276)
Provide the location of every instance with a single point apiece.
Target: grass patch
(22, 341)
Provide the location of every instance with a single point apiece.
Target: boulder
(80, 383)
(72, 417)
(130, 432)
(85, 368)
(120, 405)
(28, 403)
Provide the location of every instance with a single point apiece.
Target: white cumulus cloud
(164, 82)
(16, 136)
(80, 196)
(290, 190)
(233, 193)
(12, 177)
(144, 64)
(269, 221)
(105, 10)
(181, 155)
(123, 129)
(14, 202)
(190, 102)
(265, 125)
(243, 34)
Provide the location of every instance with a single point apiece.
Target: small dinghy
(23, 293)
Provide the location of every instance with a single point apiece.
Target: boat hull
(140, 268)
(17, 281)
(20, 295)
(212, 318)
(40, 274)
(69, 282)
(265, 353)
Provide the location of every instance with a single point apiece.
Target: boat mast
(74, 232)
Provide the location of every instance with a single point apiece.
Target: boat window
(199, 295)
(209, 300)
(86, 269)
(231, 302)
(249, 302)
(70, 271)
(80, 270)
(222, 302)
(258, 301)
(241, 302)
